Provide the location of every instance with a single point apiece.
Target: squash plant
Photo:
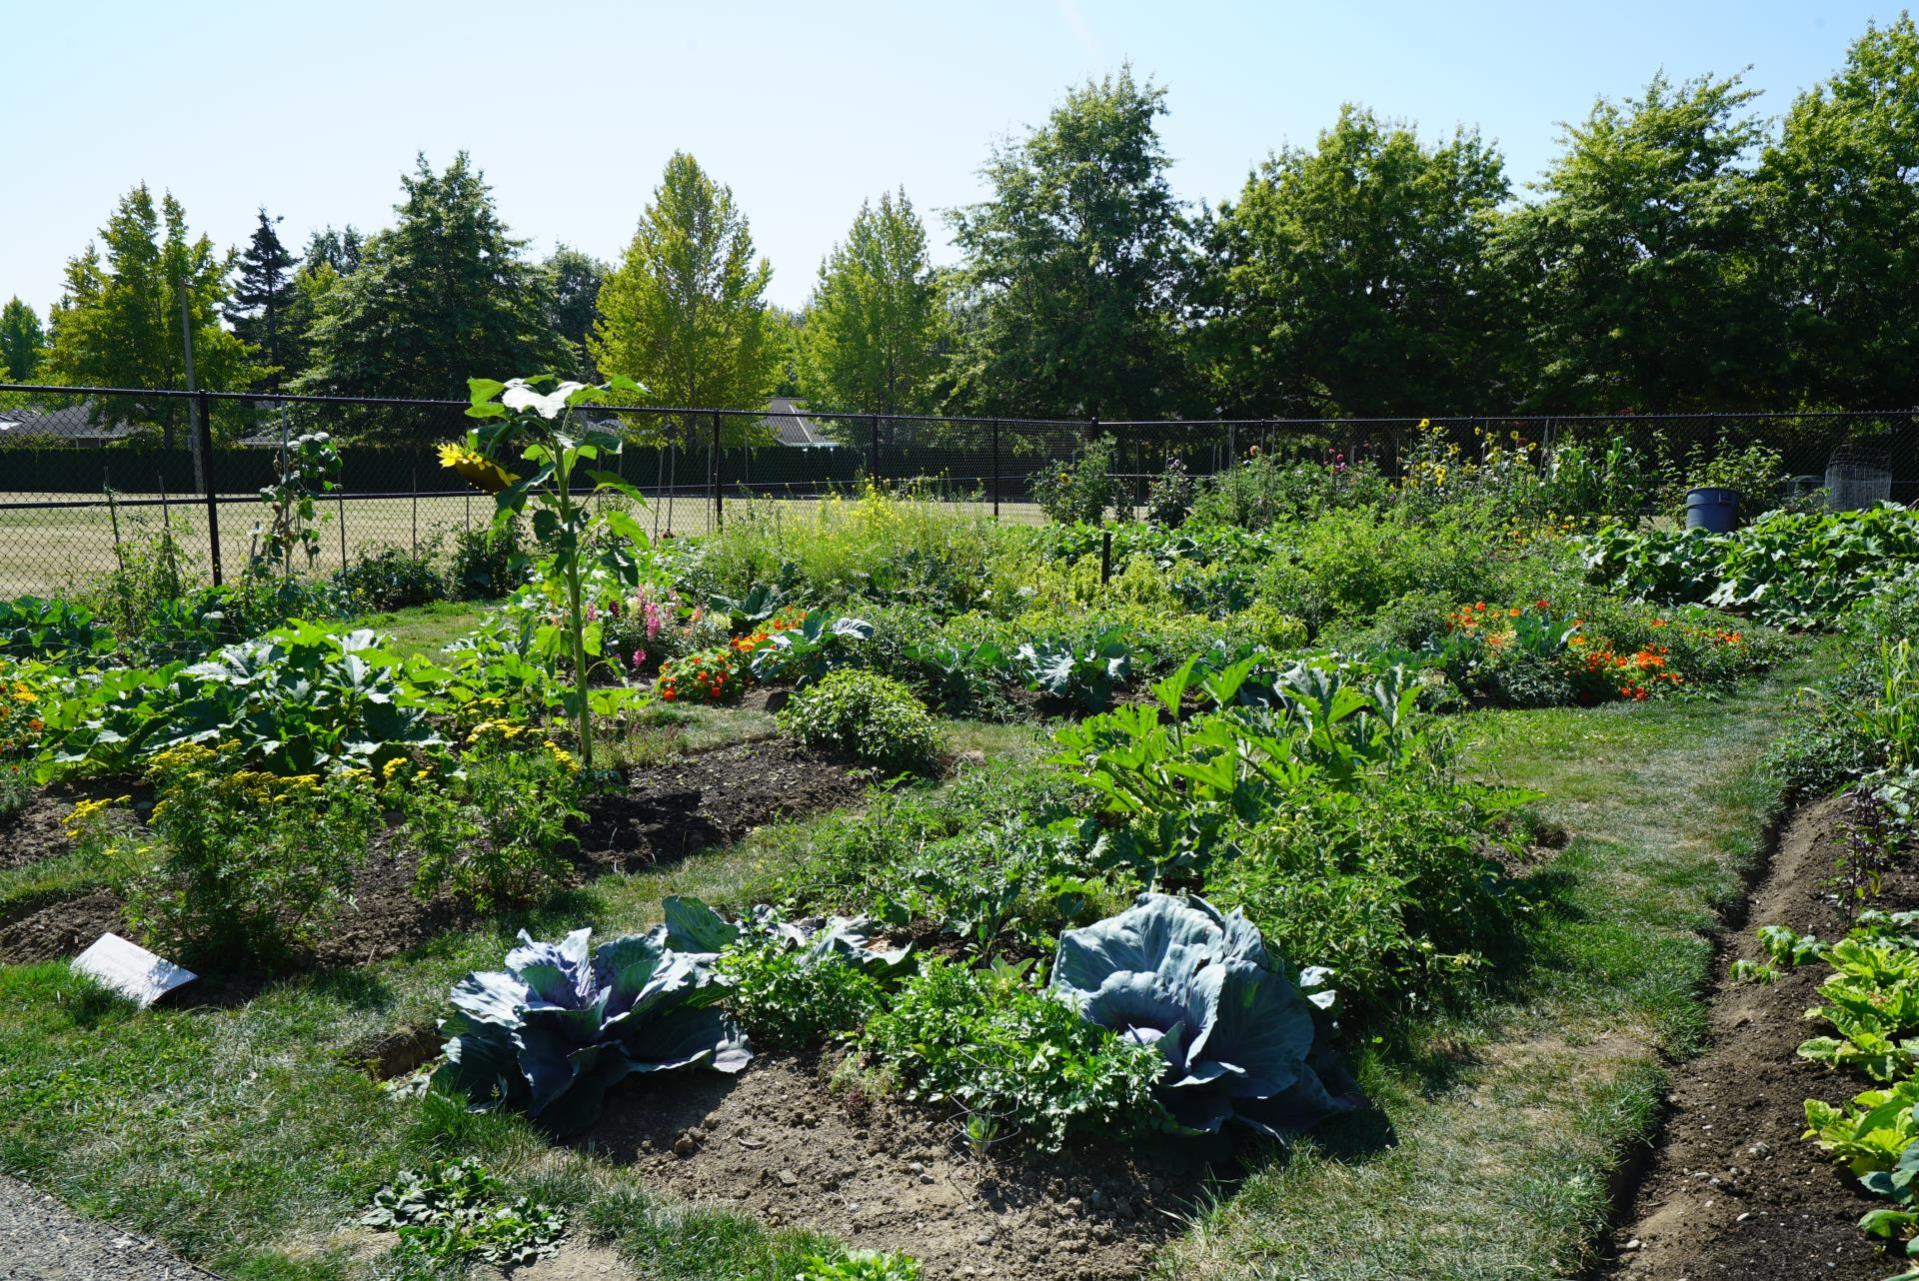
(519, 418)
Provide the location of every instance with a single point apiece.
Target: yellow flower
(475, 468)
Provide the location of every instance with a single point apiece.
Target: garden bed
(709, 799)
(1732, 1190)
(778, 1142)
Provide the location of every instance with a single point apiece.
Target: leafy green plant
(392, 578)
(34, 627)
(1872, 1131)
(873, 718)
(297, 700)
(990, 1046)
(487, 562)
(1872, 1001)
(1082, 490)
(1069, 674)
(1169, 498)
(1237, 1035)
(804, 653)
(564, 1021)
(308, 469)
(245, 867)
(518, 418)
(459, 1213)
(494, 831)
(859, 1265)
(789, 999)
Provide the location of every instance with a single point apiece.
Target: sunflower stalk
(519, 416)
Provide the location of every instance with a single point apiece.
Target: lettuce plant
(564, 1021)
(1237, 1036)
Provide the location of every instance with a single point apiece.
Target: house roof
(791, 427)
(68, 422)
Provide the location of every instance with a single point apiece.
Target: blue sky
(572, 106)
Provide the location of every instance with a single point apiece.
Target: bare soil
(666, 813)
(779, 1143)
(1732, 1190)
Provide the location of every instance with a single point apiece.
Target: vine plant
(521, 417)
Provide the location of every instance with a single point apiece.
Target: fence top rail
(1460, 420)
(415, 402)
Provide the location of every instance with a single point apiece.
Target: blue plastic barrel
(1712, 509)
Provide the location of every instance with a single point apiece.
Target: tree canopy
(120, 324)
(1074, 266)
(685, 312)
(22, 342)
(446, 292)
(262, 296)
(1354, 277)
(868, 342)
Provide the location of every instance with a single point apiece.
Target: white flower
(1315, 975)
(1324, 1000)
(519, 395)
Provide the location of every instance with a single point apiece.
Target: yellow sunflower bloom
(475, 468)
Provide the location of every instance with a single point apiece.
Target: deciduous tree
(1841, 193)
(119, 322)
(1353, 278)
(685, 312)
(871, 326)
(1642, 268)
(1074, 264)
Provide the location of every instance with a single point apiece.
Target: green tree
(573, 281)
(1642, 264)
(22, 341)
(119, 322)
(445, 291)
(1073, 267)
(685, 312)
(1354, 278)
(262, 296)
(871, 324)
(340, 249)
(1841, 191)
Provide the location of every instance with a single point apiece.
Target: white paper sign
(131, 970)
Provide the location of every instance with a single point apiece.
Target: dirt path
(41, 1240)
(1732, 1190)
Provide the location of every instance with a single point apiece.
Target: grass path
(1507, 1123)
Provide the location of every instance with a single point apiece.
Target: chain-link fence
(87, 475)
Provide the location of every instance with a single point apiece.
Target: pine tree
(257, 310)
(444, 295)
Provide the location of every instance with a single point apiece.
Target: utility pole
(193, 402)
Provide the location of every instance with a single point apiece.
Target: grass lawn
(1507, 1120)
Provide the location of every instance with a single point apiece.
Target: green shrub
(496, 834)
(1264, 491)
(874, 719)
(1392, 886)
(244, 867)
(1169, 499)
(391, 578)
(1083, 489)
(1014, 1060)
(788, 1001)
(483, 561)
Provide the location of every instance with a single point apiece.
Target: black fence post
(996, 469)
(719, 498)
(213, 492)
(873, 468)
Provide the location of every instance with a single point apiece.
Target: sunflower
(475, 468)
